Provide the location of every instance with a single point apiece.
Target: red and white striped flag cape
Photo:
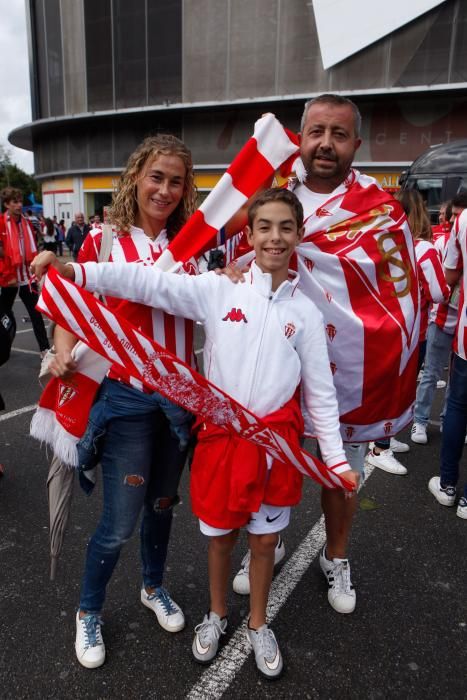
(269, 147)
(123, 345)
(357, 263)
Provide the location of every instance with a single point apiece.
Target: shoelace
(266, 642)
(165, 599)
(208, 630)
(245, 565)
(341, 573)
(92, 630)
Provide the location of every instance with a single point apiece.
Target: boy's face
(274, 236)
(14, 207)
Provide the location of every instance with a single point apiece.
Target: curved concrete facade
(105, 73)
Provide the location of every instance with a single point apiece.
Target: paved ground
(407, 637)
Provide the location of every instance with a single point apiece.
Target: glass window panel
(300, 68)
(130, 53)
(430, 61)
(78, 145)
(98, 30)
(253, 39)
(205, 45)
(41, 38)
(459, 64)
(165, 50)
(54, 56)
(100, 146)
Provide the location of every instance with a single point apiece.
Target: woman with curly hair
(139, 437)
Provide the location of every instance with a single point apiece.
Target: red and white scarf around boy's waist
(113, 337)
(357, 264)
(60, 422)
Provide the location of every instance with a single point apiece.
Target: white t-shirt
(311, 201)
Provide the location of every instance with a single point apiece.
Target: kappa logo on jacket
(235, 315)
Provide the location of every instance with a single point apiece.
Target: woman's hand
(354, 478)
(43, 261)
(62, 365)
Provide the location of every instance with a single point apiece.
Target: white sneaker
(268, 656)
(440, 384)
(241, 582)
(169, 614)
(89, 645)
(341, 593)
(462, 508)
(386, 461)
(445, 495)
(418, 434)
(207, 635)
(397, 446)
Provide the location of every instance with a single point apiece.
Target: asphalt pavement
(406, 639)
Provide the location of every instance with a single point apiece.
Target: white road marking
(216, 679)
(18, 412)
(28, 352)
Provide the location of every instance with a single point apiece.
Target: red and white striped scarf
(55, 421)
(113, 337)
(357, 264)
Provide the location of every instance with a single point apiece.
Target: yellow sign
(100, 182)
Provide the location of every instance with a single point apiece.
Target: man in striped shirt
(443, 487)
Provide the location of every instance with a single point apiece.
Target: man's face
(79, 219)
(327, 145)
(442, 216)
(14, 207)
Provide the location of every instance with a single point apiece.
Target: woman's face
(159, 191)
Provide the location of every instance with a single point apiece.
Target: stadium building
(106, 73)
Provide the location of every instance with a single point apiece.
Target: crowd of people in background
(52, 234)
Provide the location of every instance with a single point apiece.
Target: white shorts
(268, 519)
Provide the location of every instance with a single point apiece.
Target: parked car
(438, 174)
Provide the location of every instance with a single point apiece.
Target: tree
(12, 176)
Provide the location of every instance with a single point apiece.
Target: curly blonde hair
(124, 207)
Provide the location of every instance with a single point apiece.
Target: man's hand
(44, 260)
(235, 274)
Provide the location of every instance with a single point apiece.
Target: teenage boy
(263, 339)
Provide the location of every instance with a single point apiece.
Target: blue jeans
(141, 467)
(454, 425)
(438, 348)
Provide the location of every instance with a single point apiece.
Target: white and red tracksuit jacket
(260, 344)
(431, 278)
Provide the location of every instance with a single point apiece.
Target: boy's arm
(181, 295)
(319, 393)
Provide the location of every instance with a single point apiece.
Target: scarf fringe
(45, 428)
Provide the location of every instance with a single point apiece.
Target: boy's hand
(354, 478)
(235, 274)
(42, 262)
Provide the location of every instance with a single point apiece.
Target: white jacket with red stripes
(260, 344)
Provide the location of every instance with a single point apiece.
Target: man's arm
(452, 276)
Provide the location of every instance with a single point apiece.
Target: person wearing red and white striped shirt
(443, 487)
(141, 437)
(441, 329)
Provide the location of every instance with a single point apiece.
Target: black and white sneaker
(341, 593)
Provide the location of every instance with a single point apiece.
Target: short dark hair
(336, 101)
(10, 193)
(277, 194)
(460, 200)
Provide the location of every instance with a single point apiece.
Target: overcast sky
(15, 103)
